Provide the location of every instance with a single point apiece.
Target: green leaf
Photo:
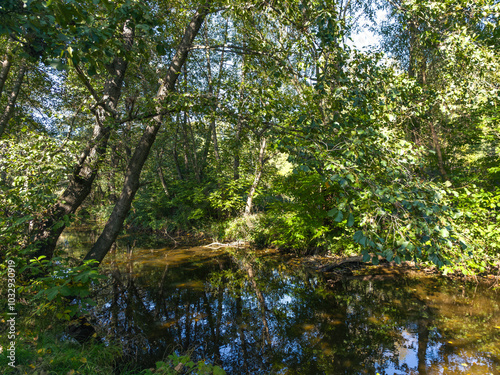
(339, 217)
(332, 212)
(52, 293)
(360, 238)
(350, 220)
(65, 291)
(444, 232)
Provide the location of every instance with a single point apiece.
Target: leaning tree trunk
(49, 228)
(134, 168)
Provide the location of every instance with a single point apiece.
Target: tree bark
(196, 166)
(236, 161)
(161, 176)
(258, 175)
(50, 227)
(215, 96)
(11, 103)
(133, 172)
(239, 126)
(437, 148)
(175, 155)
(84, 173)
(206, 147)
(412, 48)
(6, 65)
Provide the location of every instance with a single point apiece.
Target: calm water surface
(264, 313)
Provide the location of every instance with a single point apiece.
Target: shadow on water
(260, 312)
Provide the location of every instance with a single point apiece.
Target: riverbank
(337, 268)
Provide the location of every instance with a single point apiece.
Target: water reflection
(262, 313)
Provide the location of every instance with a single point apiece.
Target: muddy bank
(336, 268)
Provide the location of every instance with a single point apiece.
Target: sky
(366, 38)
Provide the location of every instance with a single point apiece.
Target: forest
(260, 121)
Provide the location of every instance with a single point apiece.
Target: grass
(48, 351)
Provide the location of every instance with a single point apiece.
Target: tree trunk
(133, 172)
(437, 148)
(11, 103)
(236, 161)
(204, 152)
(239, 126)
(161, 176)
(258, 175)
(84, 173)
(4, 73)
(215, 96)
(185, 144)
(196, 166)
(175, 155)
(412, 49)
(51, 226)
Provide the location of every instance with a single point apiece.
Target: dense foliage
(250, 120)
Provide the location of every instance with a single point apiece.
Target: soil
(336, 268)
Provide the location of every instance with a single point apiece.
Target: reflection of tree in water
(374, 325)
(251, 315)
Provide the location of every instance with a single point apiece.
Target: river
(262, 312)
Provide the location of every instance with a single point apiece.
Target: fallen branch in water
(172, 238)
(218, 245)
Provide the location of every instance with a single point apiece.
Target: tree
(132, 175)
(107, 116)
(264, 82)
(443, 47)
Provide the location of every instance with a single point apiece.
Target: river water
(265, 313)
